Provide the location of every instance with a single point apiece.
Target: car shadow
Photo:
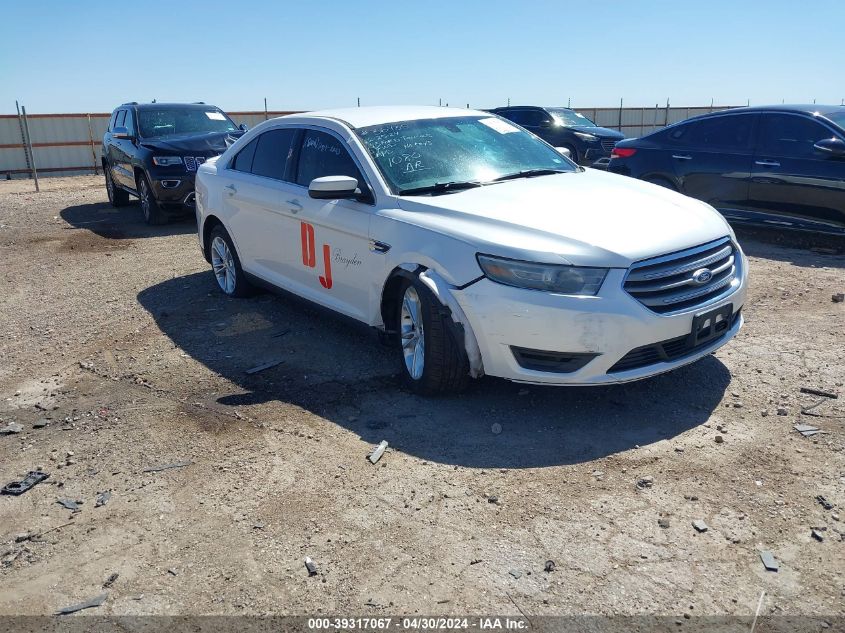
(808, 250)
(123, 222)
(339, 372)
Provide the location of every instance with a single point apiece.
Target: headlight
(167, 161)
(586, 137)
(568, 280)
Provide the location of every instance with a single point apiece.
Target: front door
(335, 266)
(794, 182)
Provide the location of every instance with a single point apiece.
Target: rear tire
(149, 205)
(226, 264)
(432, 359)
(117, 197)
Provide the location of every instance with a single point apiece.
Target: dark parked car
(152, 151)
(781, 165)
(588, 144)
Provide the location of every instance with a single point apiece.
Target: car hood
(598, 131)
(201, 144)
(589, 218)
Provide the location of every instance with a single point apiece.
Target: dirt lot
(114, 333)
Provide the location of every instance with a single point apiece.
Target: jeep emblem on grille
(702, 276)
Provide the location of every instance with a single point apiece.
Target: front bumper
(608, 326)
(173, 190)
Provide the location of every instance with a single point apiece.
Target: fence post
(620, 114)
(29, 145)
(23, 141)
(91, 139)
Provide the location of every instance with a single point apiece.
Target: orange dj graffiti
(309, 254)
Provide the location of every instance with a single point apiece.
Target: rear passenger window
(723, 132)
(243, 159)
(324, 155)
(789, 135)
(272, 153)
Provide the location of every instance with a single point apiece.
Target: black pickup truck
(153, 150)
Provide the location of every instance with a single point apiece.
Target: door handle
(767, 163)
(230, 189)
(682, 156)
(295, 206)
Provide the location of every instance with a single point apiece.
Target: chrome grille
(607, 144)
(686, 279)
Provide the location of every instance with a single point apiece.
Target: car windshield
(169, 121)
(837, 117)
(570, 118)
(456, 150)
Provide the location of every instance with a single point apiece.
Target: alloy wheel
(223, 264)
(109, 186)
(412, 334)
(145, 199)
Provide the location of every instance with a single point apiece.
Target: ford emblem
(702, 276)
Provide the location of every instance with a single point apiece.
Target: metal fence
(68, 144)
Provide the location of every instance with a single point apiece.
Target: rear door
(712, 159)
(792, 180)
(254, 193)
(120, 152)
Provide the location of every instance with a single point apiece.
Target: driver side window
(324, 155)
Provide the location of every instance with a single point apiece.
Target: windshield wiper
(440, 187)
(529, 173)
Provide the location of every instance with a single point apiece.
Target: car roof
(377, 115)
(809, 108)
(169, 106)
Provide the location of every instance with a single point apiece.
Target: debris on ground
(475, 561)
(262, 367)
(172, 572)
(377, 452)
(515, 573)
(110, 580)
(549, 566)
(782, 411)
(819, 392)
(12, 427)
(816, 534)
(494, 499)
(663, 522)
(70, 504)
(827, 505)
(700, 525)
(102, 498)
(769, 561)
(24, 536)
(719, 439)
(88, 604)
(41, 423)
(807, 430)
(311, 566)
(839, 297)
(33, 477)
(645, 482)
(156, 469)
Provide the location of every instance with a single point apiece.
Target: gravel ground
(113, 333)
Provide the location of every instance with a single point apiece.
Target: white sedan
(473, 245)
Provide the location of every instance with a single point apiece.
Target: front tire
(117, 196)
(432, 359)
(149, 205)
(226, 264)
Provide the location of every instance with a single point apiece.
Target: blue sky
(77, 56)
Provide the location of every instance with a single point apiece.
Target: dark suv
(588, 144)
(153, 150)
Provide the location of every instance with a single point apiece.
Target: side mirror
(243, 127)
(545, 124)
(832, 146)
(333, 188)
(121, 132)
(565, 151)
